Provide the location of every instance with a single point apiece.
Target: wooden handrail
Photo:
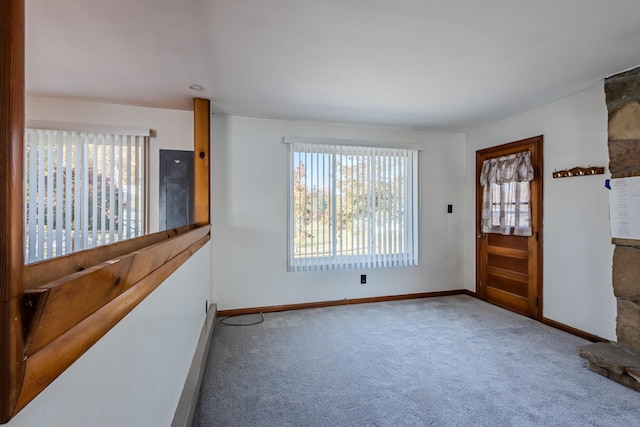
(46, 271)
(63, 303)
(70, 316)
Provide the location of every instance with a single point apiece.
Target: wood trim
(202, 160)
(334, 303)
(537, 215)
(573, 331)
(478, 232)
(46, 364)
(63, 303)
(470, 293)
(10, 356)
(557, 325)
(12, 39)
(47, 271)
(11, 147)
(561, 326)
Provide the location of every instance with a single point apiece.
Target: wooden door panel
(507, 281)
(508, 300)
(511, 242)
(512, 254)
(508, 268)
(505, 262)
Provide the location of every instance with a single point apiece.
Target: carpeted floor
(450, 361)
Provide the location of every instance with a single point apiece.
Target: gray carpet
(450, 361)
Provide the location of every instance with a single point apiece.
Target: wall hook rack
(579, 171)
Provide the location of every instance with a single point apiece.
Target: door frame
(535, 243)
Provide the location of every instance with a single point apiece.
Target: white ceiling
(428, 64)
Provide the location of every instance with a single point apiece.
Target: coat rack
(578, 171)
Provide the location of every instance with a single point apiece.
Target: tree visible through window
(352, 206)
(81, 190)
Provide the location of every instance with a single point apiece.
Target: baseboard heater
(185, 410)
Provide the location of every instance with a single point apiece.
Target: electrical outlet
(363, 279)
(449, 208)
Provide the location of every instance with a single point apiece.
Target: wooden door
(508, 267)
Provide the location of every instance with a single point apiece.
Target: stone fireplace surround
(621, 361)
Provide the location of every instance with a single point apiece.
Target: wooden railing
(66, 316)
(53, 311)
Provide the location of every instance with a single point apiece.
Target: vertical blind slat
(139, 187)
(370, 222)
(49, 149)
(323, 186)
(121, 189)
(84, 222)
(110, 188)
(103, 189)
(32, 182)
(116, 187)
(307, 200)
(40, 194)
(393, 249)
(94, 199)
(385, 211)
(129, 187)
(359, 237)
(59, 199)
(67, 195)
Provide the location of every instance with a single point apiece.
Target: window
(510, 206)
(82, 189)
(506, 194)
(352, 207)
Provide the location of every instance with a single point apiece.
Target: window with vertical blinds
(352, 207)
(82, 189)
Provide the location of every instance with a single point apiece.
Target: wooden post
(202, 161)
(12, 23)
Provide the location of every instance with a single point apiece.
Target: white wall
(134, 375)
(250, 185)
(173, 129)
(577, 245)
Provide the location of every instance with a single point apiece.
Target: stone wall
(623, 103)
(621, 361)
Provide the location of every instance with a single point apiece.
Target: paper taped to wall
(624, 208)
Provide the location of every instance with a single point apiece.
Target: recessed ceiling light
(195, 86)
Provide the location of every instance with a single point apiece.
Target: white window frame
(399, 248)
